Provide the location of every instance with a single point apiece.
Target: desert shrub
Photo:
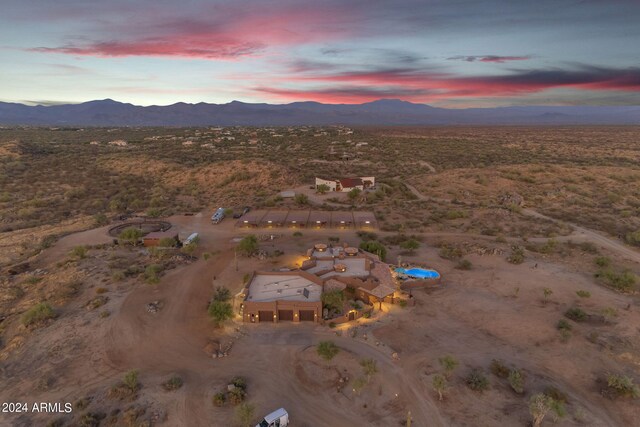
(101, 290)
(206, 255)
(402, 303)
(301, 199)
(603, 261)
(367, 235)
(624, 281)
(369, 367)
(440, 384)
(154, 213)
(221, 294)
(450, 252)
(556, 394)
(375, 248)
(79, 252)
(118, 275)
(327, 349)
(91, 419)
(82, 404)
(131, 380)
(322, 188)
(220, 312)
(297, 234)
(239, 382)
(516, 256)
(219, 399)
(354, 194)
(410, 245)
(167, 242)
(131, 234)
(549, 247)
(448, 363)
(127, 388)
(464, 264)
(248, 246)
(622, 386)
(38, 314)
(499, 369)
(152, 273)
(588, 247)
(244, 414)
(633, 238)
(539, 406)
(456, 214)
(516, 380)
(563, 325)
(173, 383)
(477, 381)
(237, 395)
(576, 314)
(333, 300)
(100, 219)
(583, 294)
(97, 302)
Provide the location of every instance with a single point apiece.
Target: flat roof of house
(298, 216)
(322, 216)
(279, 217)
(161, 234)
(252, 217)
(276, 217)
(266, 287)
(356, 267)
(350, 182)
(363, 216)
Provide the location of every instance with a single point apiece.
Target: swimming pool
(419, 273)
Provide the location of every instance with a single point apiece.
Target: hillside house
(347, 184)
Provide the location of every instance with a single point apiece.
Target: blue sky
(455, 53)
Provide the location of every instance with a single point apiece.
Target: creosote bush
(477, 381)
(38, 314)
(327, 350)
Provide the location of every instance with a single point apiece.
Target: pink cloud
(228, 34)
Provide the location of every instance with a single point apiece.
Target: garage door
(306, 315)
(285, 315)
(265, 316)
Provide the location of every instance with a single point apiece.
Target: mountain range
(108, 112)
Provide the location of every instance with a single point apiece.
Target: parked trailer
(192, 238)
(217, 216)
(278, 418)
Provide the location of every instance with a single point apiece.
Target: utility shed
(154, 238)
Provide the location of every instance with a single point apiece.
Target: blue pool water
(419, 273)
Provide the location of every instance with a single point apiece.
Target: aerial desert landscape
(538, 287)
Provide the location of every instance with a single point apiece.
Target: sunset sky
(448, 53)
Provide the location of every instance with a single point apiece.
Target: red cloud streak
(367, 86)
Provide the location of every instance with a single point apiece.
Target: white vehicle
(192, 237)
(217, 216)
(278, 418)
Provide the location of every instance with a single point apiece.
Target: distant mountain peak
(109, 112)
